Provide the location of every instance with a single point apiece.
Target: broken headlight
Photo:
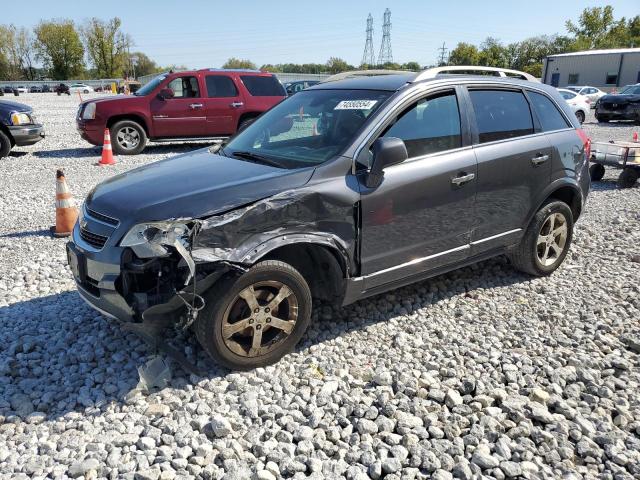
(150, 239)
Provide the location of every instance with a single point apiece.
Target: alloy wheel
(552, 239)
(128, 138)
(259, 318)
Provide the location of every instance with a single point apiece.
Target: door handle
(539, 159)
(461, 180)
(236, 104)
(193, 106)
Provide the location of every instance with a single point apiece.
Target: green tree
(337, 65)
(593, 26)
(59, 48)
(142, 64)
(464, 54)
(106, 46)
(235, 63)
(493, 53)
(412, 66)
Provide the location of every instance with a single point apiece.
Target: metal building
(604, 69)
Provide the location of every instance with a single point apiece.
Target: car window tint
(547, 112)
(430, 125)
(567, 95)
(259, 86)
(184, 87)
(501, 114)
(219, 86)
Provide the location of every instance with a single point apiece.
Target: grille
(93, 239)
(615, 106)
(102, 218)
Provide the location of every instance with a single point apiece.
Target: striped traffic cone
(107, 153)
(66, 211)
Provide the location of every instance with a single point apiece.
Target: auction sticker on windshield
(356, 105)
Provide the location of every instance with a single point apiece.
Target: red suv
(204, 104)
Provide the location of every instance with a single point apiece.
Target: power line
(368, 57)
(385, 55)
(443, 55)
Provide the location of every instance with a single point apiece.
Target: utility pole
(385, 55)
(443, 54)
(368, 57)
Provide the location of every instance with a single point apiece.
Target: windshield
(151, 86)
(307, 129)
(630, 90)
(567, 95)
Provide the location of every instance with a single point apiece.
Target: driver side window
(430, 125)
(184, 87)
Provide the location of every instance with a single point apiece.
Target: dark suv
(342, 191)
(204, 104)
(18, 126)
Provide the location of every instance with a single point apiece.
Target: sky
(199, 33)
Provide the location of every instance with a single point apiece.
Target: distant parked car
(80, 87)
(298, 86)
(62, 88)
(7, 89)
(18, 126)
(578, 103)
(35, 89)
(624, 105)
(204, 104)
(592, 93)
(22, 89)
(46, 88)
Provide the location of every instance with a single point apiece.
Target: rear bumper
(27, 135)
(91, 132)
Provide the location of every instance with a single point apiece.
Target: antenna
(368, 57)
(385, 55)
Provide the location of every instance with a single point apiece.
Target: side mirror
(386, 151)
(165, 94)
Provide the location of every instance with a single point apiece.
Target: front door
(183, 114)
(420, 217)
(514, 165)
(223, 105)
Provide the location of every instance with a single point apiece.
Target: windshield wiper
(256, 157)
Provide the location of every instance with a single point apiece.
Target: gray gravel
(481, 373)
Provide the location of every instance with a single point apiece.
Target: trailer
(619, 155)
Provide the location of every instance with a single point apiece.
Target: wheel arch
(6, 131)
(247, 116)
(567, 191)
(129, 116)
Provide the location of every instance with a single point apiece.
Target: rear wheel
(127, 137)
(580, 116)
(596, 172)
(546, 242)
(254, 319)
(628, 178)
(5, 145)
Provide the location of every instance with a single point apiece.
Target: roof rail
(473, 70)
(362, 73)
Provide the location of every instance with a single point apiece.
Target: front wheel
(596, 172)
(5, 145)
(628, 178)
(254, 319)
(546, 242)
(127, 137)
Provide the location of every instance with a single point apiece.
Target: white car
(80, 87)
(578, 103)
(22, 89)
(592, 93)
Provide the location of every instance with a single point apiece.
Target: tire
(596, 172)
(127, 137)
(628, 178)
(526, 256)
(87, 91)
(5, 145)
(245, 123)
(580, 116)
(224, 302)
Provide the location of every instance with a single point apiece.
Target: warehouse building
(604, 69)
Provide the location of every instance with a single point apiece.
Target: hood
(194, 185)
(617, 98)
(18, 107)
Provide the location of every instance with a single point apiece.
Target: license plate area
(77, 264)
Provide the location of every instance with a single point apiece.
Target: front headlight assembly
(89, 112)
(21, 118)
(149, 239)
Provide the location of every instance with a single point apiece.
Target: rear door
(223, 104)
(261, 92)
(183, 115)
(514, 164)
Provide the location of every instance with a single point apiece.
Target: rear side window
(501, 114)
(547, 112)
(567, 95)
(220, 86)
(428, 126)
(263, 86)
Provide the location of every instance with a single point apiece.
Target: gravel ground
(480, 373)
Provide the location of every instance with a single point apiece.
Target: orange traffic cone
(107, 153)
(66, 211)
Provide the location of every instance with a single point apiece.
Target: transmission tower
(368, 57)
(385, 55)
(444, 58)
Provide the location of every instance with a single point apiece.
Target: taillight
(586, 141)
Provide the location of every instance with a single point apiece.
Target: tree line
(95, 49)
(99, 49)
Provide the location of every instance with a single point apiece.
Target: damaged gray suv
(342, 191)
